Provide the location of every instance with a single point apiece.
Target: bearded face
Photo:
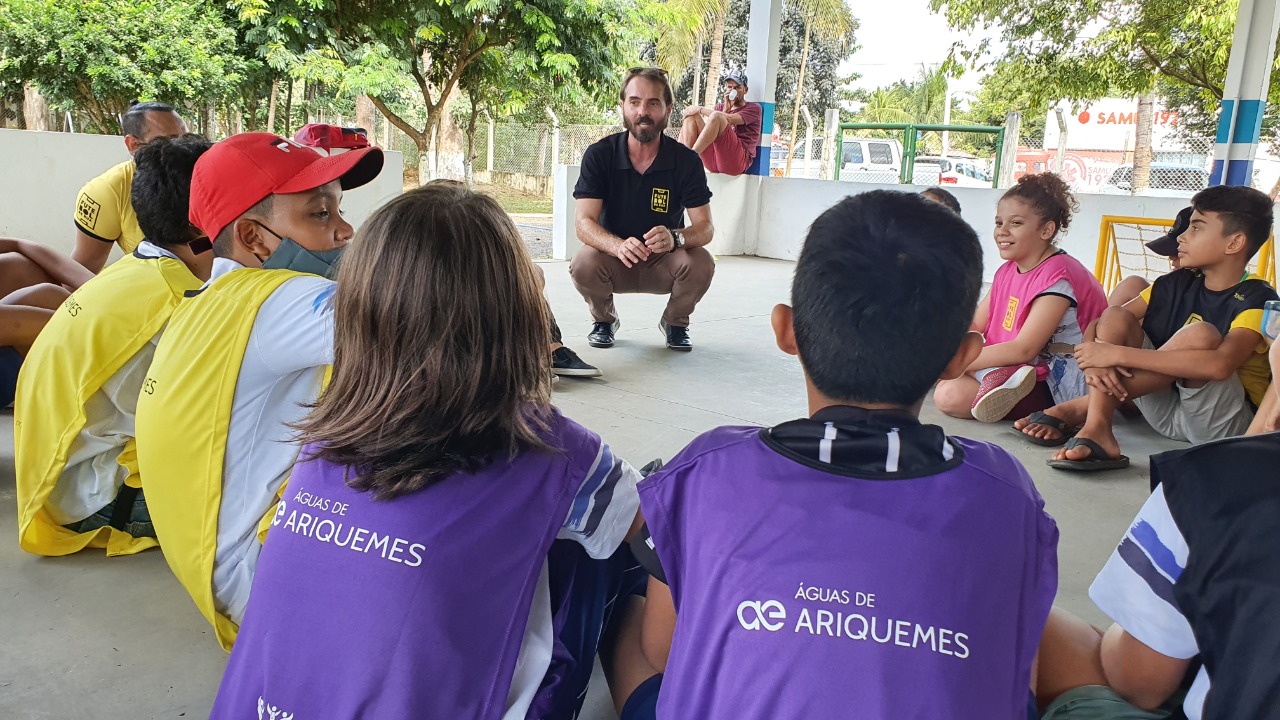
(643, 126)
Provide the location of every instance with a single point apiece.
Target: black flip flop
(1049, 421)
(1097, 461)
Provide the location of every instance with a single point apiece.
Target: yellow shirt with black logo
(100, 328)
(183, 424)
(104, 208)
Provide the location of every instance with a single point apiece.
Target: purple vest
(409, 608)
(802, 593)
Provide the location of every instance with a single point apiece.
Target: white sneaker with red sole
(1001, 390)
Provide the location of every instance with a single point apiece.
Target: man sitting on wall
(707, 131)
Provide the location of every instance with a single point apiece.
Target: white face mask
(733, 96)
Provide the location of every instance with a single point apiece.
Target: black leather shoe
(601, 335)
(677, 337)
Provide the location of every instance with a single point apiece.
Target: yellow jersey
(104, 208)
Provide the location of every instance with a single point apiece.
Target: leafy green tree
(1088, 50)
(371, 47)
(822, 77)
(1013, 87)
(886, 105)
(94, 56)
(827, 19)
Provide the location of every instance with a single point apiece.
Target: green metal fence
(963, 148)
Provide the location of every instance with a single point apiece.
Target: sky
(898, 36)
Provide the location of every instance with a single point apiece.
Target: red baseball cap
(241, 171)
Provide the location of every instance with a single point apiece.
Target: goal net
(1122, 251)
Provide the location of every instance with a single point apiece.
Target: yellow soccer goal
(1122, 251)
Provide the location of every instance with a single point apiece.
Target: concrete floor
(87, 636)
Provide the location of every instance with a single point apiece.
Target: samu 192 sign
(1163, 117)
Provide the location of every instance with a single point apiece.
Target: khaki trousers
(684, 274)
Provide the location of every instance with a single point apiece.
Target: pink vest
(1013, 292)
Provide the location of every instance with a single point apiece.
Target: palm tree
(929, 96)
(830, 20)
(886, 105)
(684, 27)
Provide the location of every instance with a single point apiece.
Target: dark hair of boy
(440, 345)
(162, 188)
(937, 194)
(1049, 196)
(134, 121)
(884, 293)
(1241, 209)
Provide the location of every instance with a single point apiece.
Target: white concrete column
(763, 38)
(1244, 96)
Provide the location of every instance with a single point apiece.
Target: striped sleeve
(604, 506)
(1135, 587)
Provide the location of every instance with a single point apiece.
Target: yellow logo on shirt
(1194, 318)
(87, 212)
(1010, 314)
(661, 200)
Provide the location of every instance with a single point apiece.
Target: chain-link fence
(1177, 168)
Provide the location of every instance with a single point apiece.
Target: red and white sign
(1110, 125)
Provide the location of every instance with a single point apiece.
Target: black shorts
(10, 364)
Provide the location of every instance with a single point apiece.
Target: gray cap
(739, 77)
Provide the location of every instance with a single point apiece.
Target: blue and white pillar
(1244, 95)
(763, 39)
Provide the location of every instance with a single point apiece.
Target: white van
(871, 160)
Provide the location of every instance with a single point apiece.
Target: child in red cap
(242, 357)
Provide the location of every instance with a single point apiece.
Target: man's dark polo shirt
(633, 203)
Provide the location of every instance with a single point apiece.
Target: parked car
(960, 172)
(872, 160)
(1167, 180)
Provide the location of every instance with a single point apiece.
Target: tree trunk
(288, 107)
(717, 57)
(206, 121)
(35, 109)
(271, 105)
(1142, 144)
(697, 72)
(469, 160)
(364, 114)
(450, 156)
(795, 109)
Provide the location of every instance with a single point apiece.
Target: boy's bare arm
(1217, 364)
(1137, 673)
(659, 624)
(1267, 418)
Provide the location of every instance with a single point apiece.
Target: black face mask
(292, 256)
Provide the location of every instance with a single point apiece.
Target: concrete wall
(769, 216)
(41, 173)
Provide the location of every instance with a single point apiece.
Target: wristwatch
(677, 239)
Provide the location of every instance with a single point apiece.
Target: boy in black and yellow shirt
(1188, 351)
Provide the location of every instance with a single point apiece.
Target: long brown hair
(441, 338)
